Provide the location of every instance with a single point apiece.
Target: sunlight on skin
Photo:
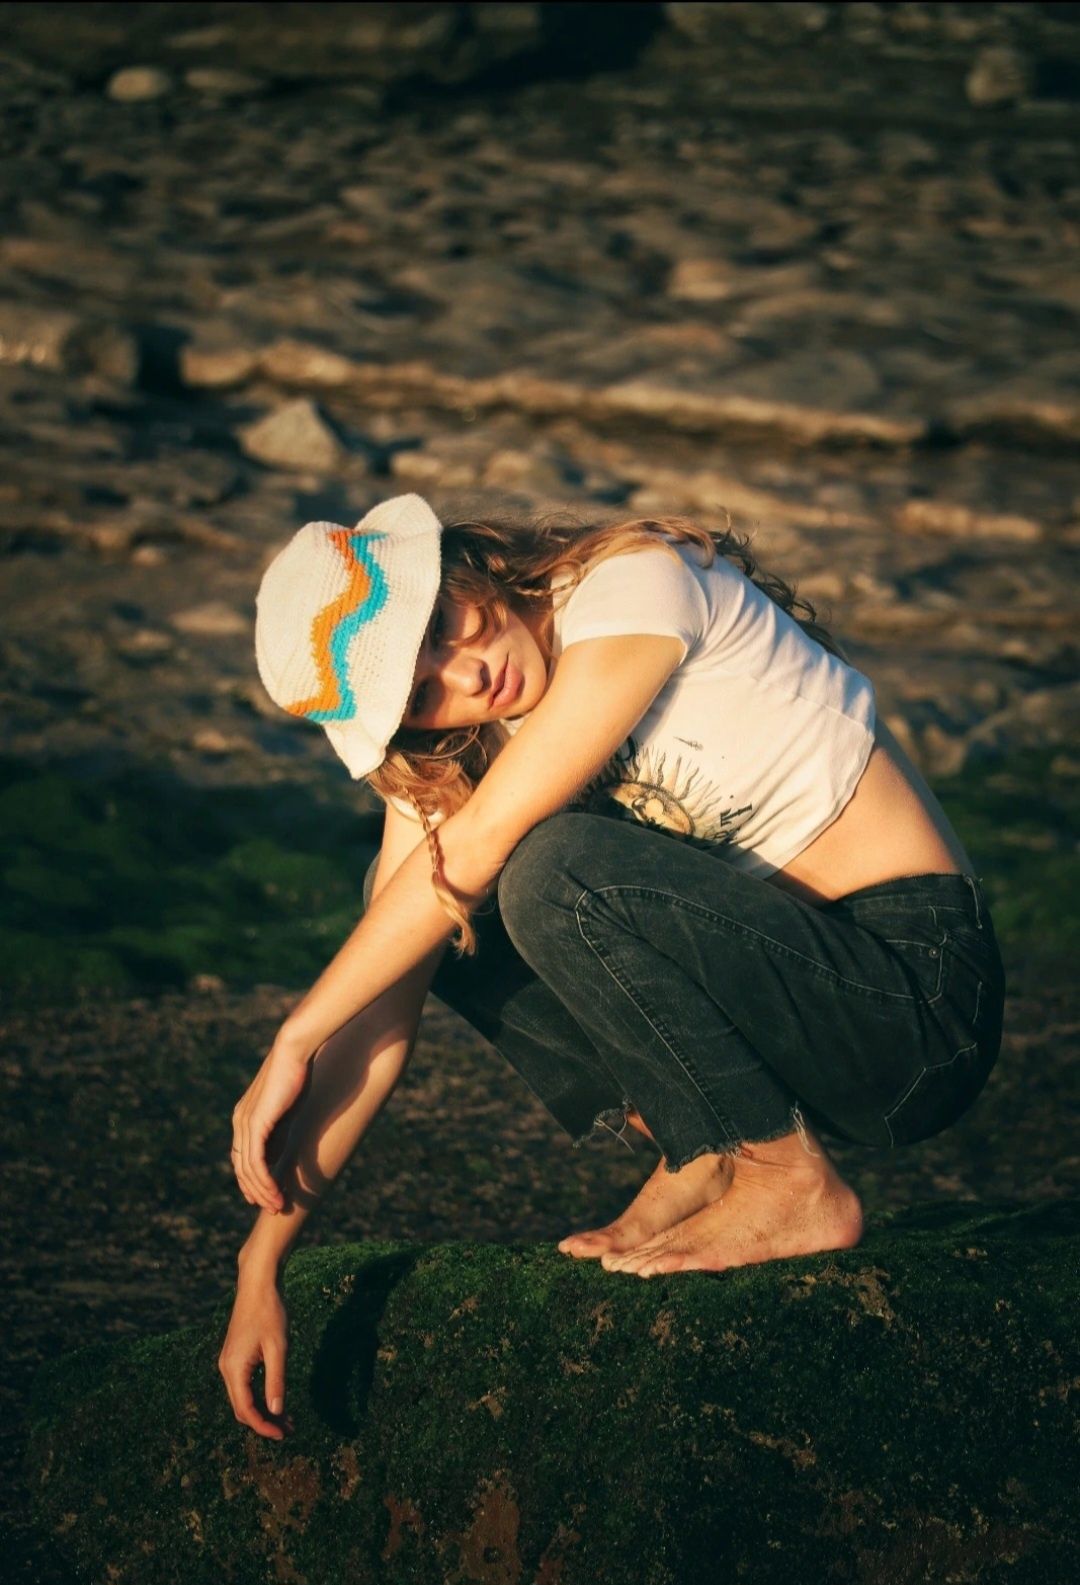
(458, 668)
(663, 1200)
(781, 1201)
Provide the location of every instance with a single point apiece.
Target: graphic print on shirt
(660, 792)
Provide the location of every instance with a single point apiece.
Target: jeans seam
(932, 1067)
(780, 949)
(688, 1068)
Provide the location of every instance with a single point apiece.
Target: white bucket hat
(340, 617)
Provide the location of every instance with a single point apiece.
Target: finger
(245, 1408)
(240, 1169)
(249, 1181)
(236, 1164)
(274, 1385)
(260, 1180)
(236, 1153)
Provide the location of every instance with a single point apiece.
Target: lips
(499, 681)
(507, 686)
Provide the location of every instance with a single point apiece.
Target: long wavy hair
(502, 564)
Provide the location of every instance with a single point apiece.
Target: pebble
(206, 984)
(208, 740)
(999, 76)
(135, 84)
(221, 83)
(144, 646)
(148, 556)
(215, 619)
(207, 38)
(216, 368)
(296, 436)
(700, 281)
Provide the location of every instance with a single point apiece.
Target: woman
(696, 886)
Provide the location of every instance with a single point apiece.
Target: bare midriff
(891, 826)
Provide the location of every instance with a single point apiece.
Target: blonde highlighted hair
(502, 564)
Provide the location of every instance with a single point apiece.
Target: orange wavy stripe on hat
(349, 600)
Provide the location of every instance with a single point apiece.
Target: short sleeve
(638, 591)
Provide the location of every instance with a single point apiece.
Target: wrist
(292, 1043)
(257, 1269)
(262, 1255)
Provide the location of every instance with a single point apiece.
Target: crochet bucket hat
(340, 617)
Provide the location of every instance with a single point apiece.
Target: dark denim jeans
(620, 967)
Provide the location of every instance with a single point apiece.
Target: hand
(258, 1331)
(276, 1087)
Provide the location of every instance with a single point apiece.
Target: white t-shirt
(759, 737)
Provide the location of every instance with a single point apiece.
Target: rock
(295, 436)
(208, 740)
(216, 368)
(999, 76)
(60, 342)
(148, 556)
(133, 84)
(1040, 423)
(504, 1413)
(379, 31)
(952, 521)
(749, 416)
(215, 619)
(289, 362)
(700, 281)
(942, 753)
(206, 984)
(219, 82)
(781, 231)
(208, 38)
(40, 337)
(145, 646)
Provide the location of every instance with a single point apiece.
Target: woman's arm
(601, 689)
(355, 1074)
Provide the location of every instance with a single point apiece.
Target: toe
(585, 1243)
(660, 1265)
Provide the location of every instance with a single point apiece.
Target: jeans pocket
(969, 1019)
(923, 962)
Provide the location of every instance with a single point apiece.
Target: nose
(463, 673)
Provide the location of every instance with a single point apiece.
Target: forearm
(404, 924)
(352, 1078)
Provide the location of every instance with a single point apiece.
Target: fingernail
(276, 1405)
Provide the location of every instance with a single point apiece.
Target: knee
(538, 886)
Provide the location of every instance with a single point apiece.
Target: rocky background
(809, 268)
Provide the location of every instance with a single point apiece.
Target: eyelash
(436, 630)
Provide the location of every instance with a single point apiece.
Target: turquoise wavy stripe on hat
(336, 625)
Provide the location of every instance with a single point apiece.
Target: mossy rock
(500, 1414)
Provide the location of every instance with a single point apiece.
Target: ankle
(789, 1157)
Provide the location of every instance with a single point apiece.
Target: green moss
(500, 1414)
(140, 882)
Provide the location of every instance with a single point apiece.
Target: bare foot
(781, 1201)
(667, 1198)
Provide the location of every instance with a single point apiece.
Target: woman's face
(483, 679)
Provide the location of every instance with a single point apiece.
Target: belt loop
(975, 899)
